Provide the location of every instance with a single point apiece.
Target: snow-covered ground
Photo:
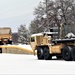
(28, 64)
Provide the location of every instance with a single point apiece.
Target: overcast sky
(13, 13)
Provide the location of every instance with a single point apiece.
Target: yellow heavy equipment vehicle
(5, 36)
(48, 46)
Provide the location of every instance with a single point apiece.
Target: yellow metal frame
(16, 47)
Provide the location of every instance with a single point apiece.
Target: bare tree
(51, 13)
(35, 26)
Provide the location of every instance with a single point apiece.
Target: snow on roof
(50, 32)
(38, 34)
(70, 35)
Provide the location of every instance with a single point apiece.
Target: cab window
(32, 39)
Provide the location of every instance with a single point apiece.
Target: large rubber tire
(67, 53)
(9, 42)
(0, 50)
(1, 43)
(40, 54)
(73, 53)
(47, 55)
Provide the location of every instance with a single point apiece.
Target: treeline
(48, 14)
(51, 13)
